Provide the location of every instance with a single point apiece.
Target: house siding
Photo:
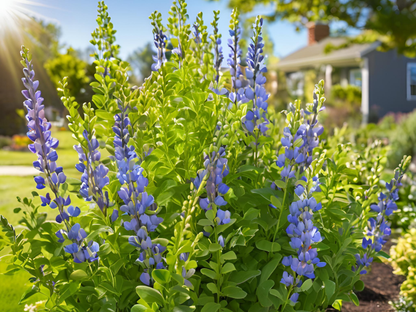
(387, 83)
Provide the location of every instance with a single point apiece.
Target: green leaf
(205, 222)
(212, 287)
(227, 268)
(183, 308)
(354, 299)
(228, 256)
(221, 228)
(149, 295)
(262, 293)
(267, 245)
(329, 289)
(104, 115)
(266, 193)
(383, 254)
(251, 214)
(210, 215)
(207, 272)
(359, 285)
(78, 275)
(280, 184)
(98, 100)
(337, 304)
(29, 293)
(269, 269)
(138, 308)
(276, 202)
(306, 285)
(234, 292)
(240, 277)
(211, 307)
(161, 276)
(214, 247)
(67, 291)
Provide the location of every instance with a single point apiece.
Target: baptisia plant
(44, 146)
(299, 141)
(273, 221)
(238, 82)
(256, 116)
(378, 229)
(137, 203)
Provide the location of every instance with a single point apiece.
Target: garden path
(18, 171)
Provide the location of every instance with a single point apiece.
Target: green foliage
(177, 125)
(5, 141)
(71, 66)
(403, 260)
(350, 94)
(392, 23)
(403, 139)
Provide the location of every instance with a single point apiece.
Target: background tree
(392, 22)
(42, 39)
(141, 60)
(79, 73)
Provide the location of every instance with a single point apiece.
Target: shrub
(20, 142)
(403, 139)
(205, 203)
(5, 141)
(403, 260)
(350, 94)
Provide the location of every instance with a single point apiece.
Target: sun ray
(19, 24)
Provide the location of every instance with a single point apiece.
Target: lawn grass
(13, 286)
(13, 186)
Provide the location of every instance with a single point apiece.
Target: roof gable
(314, 55)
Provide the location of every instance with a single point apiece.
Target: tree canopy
(392, 22)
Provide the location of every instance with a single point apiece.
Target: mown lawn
(13, 286)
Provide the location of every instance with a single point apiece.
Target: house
(387, 79)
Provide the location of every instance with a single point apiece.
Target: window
(411, 81)
(295, 84)
(355, 77)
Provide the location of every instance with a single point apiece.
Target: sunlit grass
(13, 286)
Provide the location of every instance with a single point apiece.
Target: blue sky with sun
(130, 17)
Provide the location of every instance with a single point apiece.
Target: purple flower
(255, 91)
(223, 216)
(159, 39)
(216, 167)
(238, 82)
(94, 177)
(44, 144)
(187, 275)
(137, 203)
(294, 297)
(378, 229)
(287, 279)
(221, 241)
(145, 278)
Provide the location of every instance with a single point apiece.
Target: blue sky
(130, 17)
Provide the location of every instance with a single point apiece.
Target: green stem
(280, 214)
(287, 298)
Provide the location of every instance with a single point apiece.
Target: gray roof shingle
(313, 55)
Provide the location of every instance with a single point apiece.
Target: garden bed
(381, 286)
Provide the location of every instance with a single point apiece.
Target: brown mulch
(381, 286)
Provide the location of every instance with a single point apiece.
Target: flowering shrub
(205, 204)
(20, 142)
(403, 260)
